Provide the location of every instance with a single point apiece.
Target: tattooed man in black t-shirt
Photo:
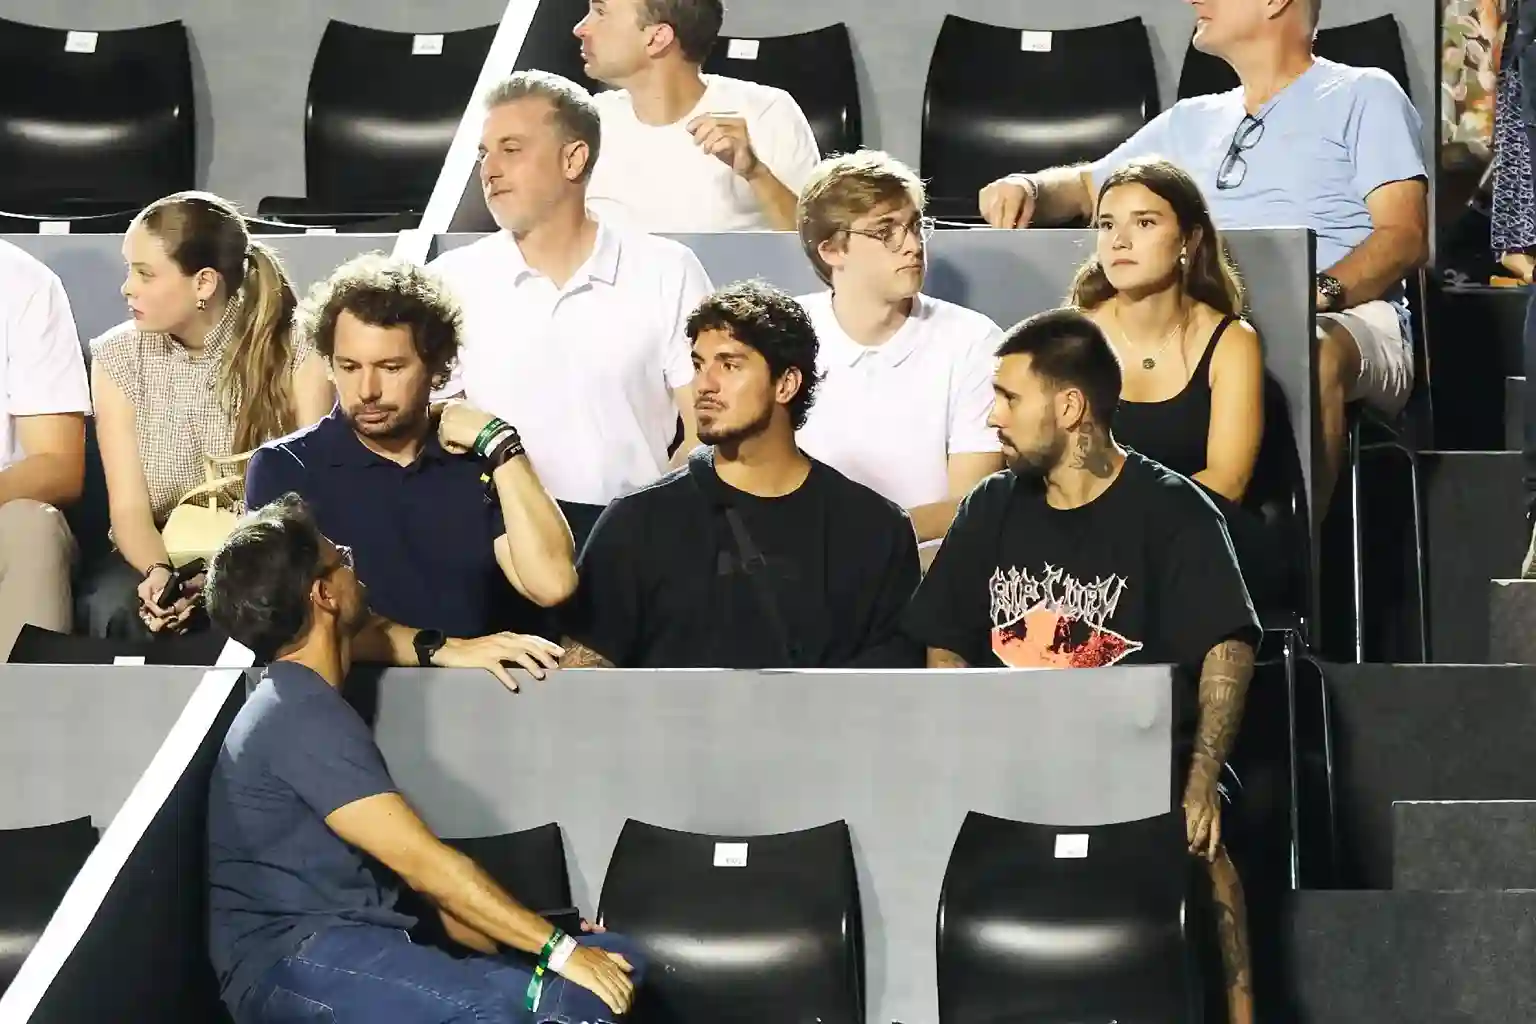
(1085, 554)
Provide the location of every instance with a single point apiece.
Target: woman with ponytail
(208, 367)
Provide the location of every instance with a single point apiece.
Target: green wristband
(536, 983)
(487, 432)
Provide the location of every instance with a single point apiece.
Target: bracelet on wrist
(487, 433)
(506, 447)
(167, 566)
(536, 983)
(562, 953)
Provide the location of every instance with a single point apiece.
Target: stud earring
(202, 304)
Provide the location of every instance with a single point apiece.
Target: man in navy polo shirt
(450, 526)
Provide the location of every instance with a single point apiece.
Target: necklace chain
(1150, 362)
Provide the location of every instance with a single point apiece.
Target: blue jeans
(369, 975)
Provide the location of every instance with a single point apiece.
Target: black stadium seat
(1373, 43)
(93, 125)
(755, 930)
(38, 646)
(382, 110)
(816, 68)
(529, 864)
(1058, 924)
(1001, 100)
(37, 866)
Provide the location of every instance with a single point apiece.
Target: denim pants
(369, 975)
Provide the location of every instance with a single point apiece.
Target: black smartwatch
(1332, 291)
(427, 643)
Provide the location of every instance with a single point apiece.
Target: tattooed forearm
(938, 657)
(578, 655)
(1091, 451)
(1223, 691)
(1232, 933)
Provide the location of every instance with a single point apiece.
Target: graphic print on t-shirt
(1055, 620)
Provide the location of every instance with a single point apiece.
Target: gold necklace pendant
(1149, 363)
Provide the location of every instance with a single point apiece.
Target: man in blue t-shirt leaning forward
(300, 926)
(1302, 142)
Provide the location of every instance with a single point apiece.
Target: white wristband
(561, 953)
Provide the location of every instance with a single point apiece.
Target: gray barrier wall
(251, 61)
(75, 739)
(901, 756)
(92, 268)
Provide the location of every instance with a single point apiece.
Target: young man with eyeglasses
(1303, 141)
(907, 378)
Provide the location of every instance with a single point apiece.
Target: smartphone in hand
(180, 576)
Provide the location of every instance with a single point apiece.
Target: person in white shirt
(574, 329)
(908, 378)
(44, 399)
(688, 151)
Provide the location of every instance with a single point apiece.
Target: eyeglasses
(1234, 167)
(894, 236)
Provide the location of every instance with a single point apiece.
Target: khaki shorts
(1386, 354)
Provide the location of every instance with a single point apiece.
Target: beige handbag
(196, 529)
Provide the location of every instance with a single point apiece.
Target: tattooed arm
(579, 655)
(1224, 681)
(938, 657)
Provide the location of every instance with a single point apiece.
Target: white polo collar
(602, 264)
(842, 350)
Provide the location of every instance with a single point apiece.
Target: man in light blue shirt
(1303, 142)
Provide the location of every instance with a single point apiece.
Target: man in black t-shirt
(1083, 554)
(754, 555)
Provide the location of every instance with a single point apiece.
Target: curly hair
(382, 291)
(764, 318)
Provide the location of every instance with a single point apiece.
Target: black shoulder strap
(701, 469)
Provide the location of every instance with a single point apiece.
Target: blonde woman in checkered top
(208, 365)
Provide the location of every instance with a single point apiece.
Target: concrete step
(1460, 845)
(1514, 413)
(1412, 957)
(1411, 732)
(1475, 532)
(1512, 622)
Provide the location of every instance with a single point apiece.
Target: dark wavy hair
(1209, 276)
(382, 291)
(258, 584)
(759, 315)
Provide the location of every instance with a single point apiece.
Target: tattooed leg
(1232, 933)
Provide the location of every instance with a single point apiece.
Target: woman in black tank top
(1192, 395)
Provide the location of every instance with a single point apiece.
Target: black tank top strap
(1203, 368)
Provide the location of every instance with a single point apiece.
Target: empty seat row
(1034, 922)
(383, 107)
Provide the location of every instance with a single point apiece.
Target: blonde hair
(844, 188)
(201, 230)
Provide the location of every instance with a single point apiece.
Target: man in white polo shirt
(688, 151)
(574, 328)
(44, 399)
(908, 378)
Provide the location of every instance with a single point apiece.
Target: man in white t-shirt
(688, 151)
(44, 399)
(908, 378)
(574, 328)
